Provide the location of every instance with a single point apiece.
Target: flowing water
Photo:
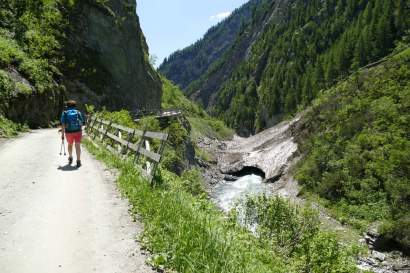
(227, 194)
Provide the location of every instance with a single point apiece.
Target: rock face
(91, 50)
(34, 109)
(108, 57)
(269, 151)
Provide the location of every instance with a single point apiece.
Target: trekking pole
(61, 148)
(64, 146)
(62, 143)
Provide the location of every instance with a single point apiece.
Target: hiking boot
(70, 160)
(78, 163)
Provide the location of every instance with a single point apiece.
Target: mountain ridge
(182, 70)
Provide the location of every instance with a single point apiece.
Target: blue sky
(170, 25)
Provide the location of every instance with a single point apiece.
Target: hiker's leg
(78, 150)
(70, 150)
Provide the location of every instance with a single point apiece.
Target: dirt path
(55, 218)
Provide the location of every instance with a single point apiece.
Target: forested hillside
(357, 141)
(318, 43)
(51, 50)
(293, 50)
(185, 66)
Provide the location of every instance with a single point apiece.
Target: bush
(294, 232)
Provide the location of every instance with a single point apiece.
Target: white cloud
(220, 16)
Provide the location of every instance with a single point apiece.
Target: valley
(287, 135)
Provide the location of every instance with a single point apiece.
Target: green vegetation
(358, 148)
(186, 233)
(172, 97)
(201, 123)
(9, 128)
(183, 131)
(29, 41)
(294, 232)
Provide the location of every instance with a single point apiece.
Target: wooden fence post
(96, 128)
(129, 139)
(91, 124)
(115, 146)
(161, 151)
(137, 154)
(106, 131)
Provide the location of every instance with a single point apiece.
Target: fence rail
(158, 113)
(125, 141)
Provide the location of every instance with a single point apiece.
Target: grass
(9, 128)
(185, 232)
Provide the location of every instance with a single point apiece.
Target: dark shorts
(73, 137)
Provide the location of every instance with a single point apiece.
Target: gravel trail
(55, 218)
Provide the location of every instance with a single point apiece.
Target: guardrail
(125, 141)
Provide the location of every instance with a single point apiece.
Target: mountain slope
(317, 43)
(292, 49)
(356, 138)
(187, 65)
(93, 51)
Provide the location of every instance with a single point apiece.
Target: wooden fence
(127, 141)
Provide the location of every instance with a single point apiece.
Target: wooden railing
(128, 141)
(158, 113)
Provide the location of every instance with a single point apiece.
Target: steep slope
(91, 50)
(106, 42)
(316, 44)
(292, 49)
(187, 65)
(357, 145)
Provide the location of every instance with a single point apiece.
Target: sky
(169, 25)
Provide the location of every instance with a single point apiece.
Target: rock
(372, 237)
(222, 146)
(379, 256)
(230, 178)
(202, 163)
(367, 261)
(269, 151)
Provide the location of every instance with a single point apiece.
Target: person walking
(71, 124)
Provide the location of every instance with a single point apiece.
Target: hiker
(71, 124)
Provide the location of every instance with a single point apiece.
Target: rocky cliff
(109, 57)
(92, 51)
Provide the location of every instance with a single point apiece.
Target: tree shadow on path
(67, 168)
